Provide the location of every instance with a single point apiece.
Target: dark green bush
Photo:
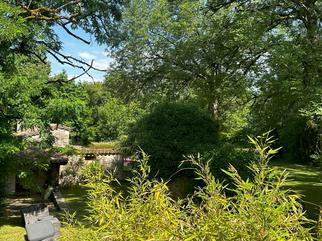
(170, 131)
(227, 154)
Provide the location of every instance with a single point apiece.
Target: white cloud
(87, 55)
(99, 62)
(103, 64)
(106, 53)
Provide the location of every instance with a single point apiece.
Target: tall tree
(291, 81)
(221, 51)
(27, 38)
(183, 47)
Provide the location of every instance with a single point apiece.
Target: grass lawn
(306, 181)
(12, 233)
(75, 198)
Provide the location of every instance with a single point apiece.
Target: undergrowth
(260, 208)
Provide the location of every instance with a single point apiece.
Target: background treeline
(248, 66)
(188, 77)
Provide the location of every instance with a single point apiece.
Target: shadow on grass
(76, 200)
(10, 213)
(306, 181)
(11, 221)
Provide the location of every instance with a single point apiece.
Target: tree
(224, 52)
(27, 37)
(183, 48)
(110, 117)
(29, 26)
(290, 81)
(170, 131)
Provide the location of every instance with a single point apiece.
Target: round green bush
(227, 154)
(171, 131)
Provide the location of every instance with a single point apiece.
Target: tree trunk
(214, 109)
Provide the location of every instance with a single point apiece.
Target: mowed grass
(12, 233)
(305, 180)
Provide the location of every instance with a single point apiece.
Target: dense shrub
(2, 189)
(260, 209)
(227, 154)
(170, 131)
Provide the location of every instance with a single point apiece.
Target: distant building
(51, 177)
(59, 132)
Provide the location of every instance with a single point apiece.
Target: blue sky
(78, 49)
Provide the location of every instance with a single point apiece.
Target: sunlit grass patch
(305, 180)
(12, 233)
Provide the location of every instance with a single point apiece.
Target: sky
(81, 50)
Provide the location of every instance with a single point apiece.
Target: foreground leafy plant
(259, 209)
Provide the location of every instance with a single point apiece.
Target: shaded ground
(11, 224)
(305, 180)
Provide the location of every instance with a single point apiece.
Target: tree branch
(69, 60)
(75, 77)
(72, 34)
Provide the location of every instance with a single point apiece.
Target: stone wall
(61, 137)
(110, 162)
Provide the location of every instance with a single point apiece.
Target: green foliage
(27, 92)
(253, 64)
(293, 116)
(92, 173)
(114, 119)
(77, 172)
(114, 145)
(109, 117)
(37, 104)
(313, 115)
(290, 81)
(224, 155)
(8, 147)
(29, 165)
(12, 27)
(182, 49)
(66, 150)
(260, 209)
(170, 131)
(235, 122)
(26, 28)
